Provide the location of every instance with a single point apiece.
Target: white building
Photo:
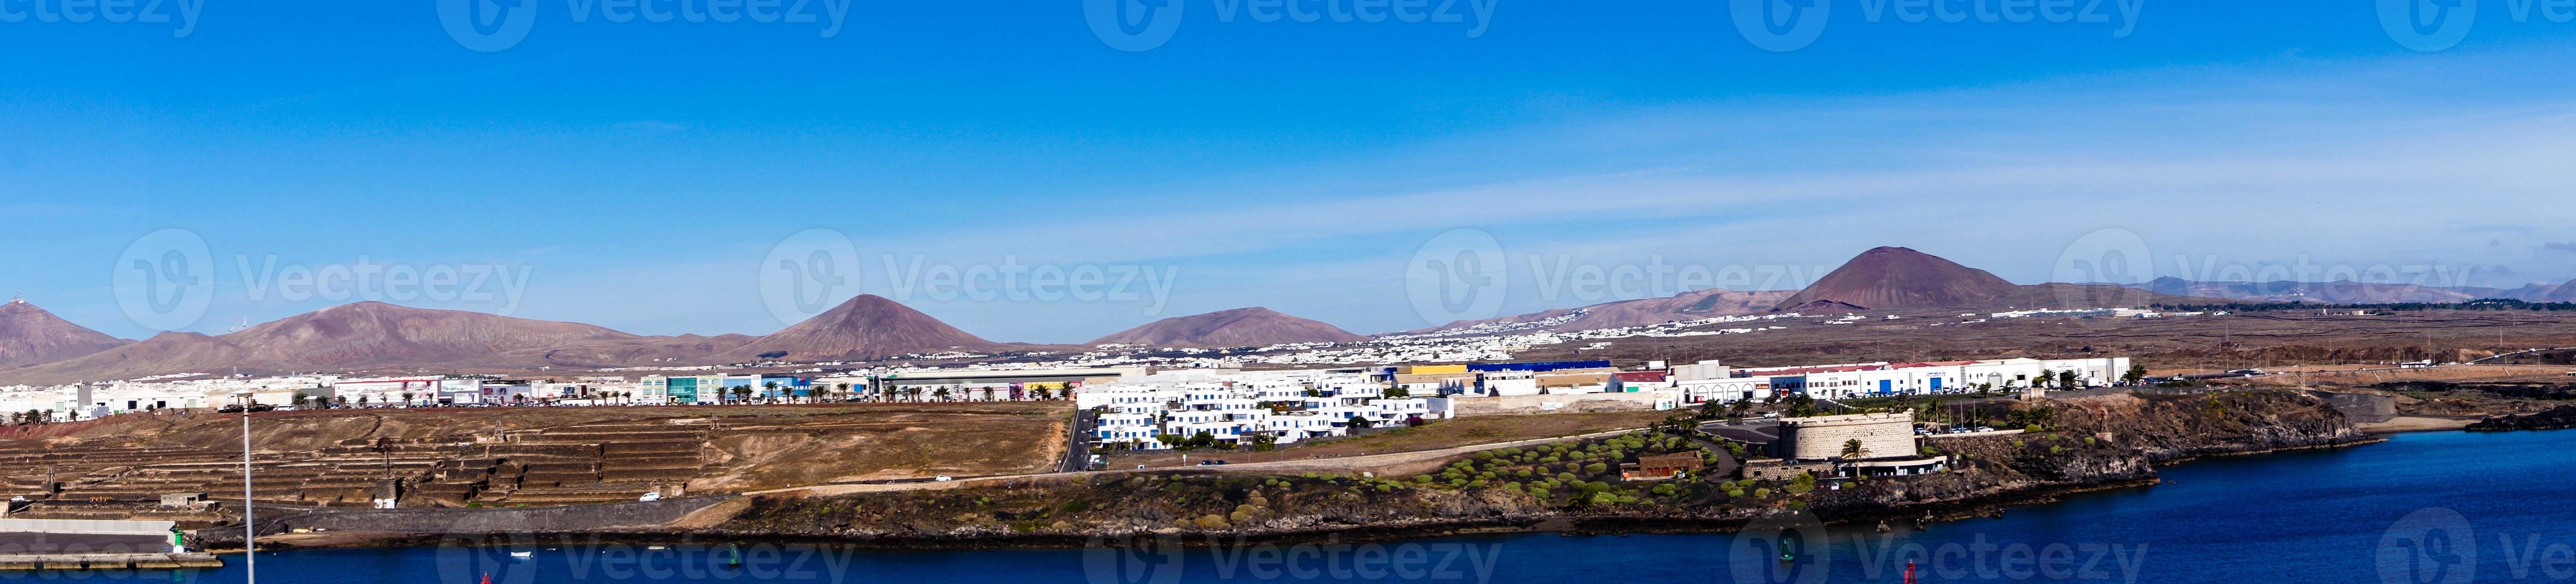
(1233, 406)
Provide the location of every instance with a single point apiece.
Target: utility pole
(250, 527)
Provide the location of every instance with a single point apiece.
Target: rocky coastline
(2556, 418)
(2089, 444)
(2098, 443)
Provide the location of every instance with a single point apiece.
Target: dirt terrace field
(533, 456)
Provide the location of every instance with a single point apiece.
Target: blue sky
(642, 175)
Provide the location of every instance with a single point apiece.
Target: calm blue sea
(2448, 507)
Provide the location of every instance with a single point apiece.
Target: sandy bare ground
(1390, 464)
(2404, 424)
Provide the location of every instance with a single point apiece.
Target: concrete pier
(99, 562)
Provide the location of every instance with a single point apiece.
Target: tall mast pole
(250, 527)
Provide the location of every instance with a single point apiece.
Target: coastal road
(1077, 443)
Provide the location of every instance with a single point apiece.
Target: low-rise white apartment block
(1233, 406)
(1883, 379)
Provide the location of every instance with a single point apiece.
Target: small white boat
(523, 555)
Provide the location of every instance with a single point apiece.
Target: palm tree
(942, 394)
(1854, 451)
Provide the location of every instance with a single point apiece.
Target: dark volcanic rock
(2557, 418)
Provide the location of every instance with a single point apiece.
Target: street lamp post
(250, 526)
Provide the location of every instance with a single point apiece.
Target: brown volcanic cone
(29, 335)
(866, 327)
(1897, 278)
(1241, 327)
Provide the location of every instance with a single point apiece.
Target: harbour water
(2443, 507)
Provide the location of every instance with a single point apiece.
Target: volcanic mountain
(375, 336)
(866, 327)
(1891, 278)
(29, 335)
(1896, 278)
(379, 337)
(1626, 313)
(1242, 327)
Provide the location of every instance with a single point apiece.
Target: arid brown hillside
(29, 335)
(1891, 278)
(868, 326)
(379, 337)
(373, 336)
(1242, 327)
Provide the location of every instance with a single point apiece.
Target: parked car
(649, 497)
(1212, 462)
(942, 478)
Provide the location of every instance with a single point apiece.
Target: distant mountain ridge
(1714, 302)
(1241, 327)
(375, 336)
(2349, 292)
(37, 347)
(30, 335)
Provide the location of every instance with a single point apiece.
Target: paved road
(1077, 445)
(1754, 431)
